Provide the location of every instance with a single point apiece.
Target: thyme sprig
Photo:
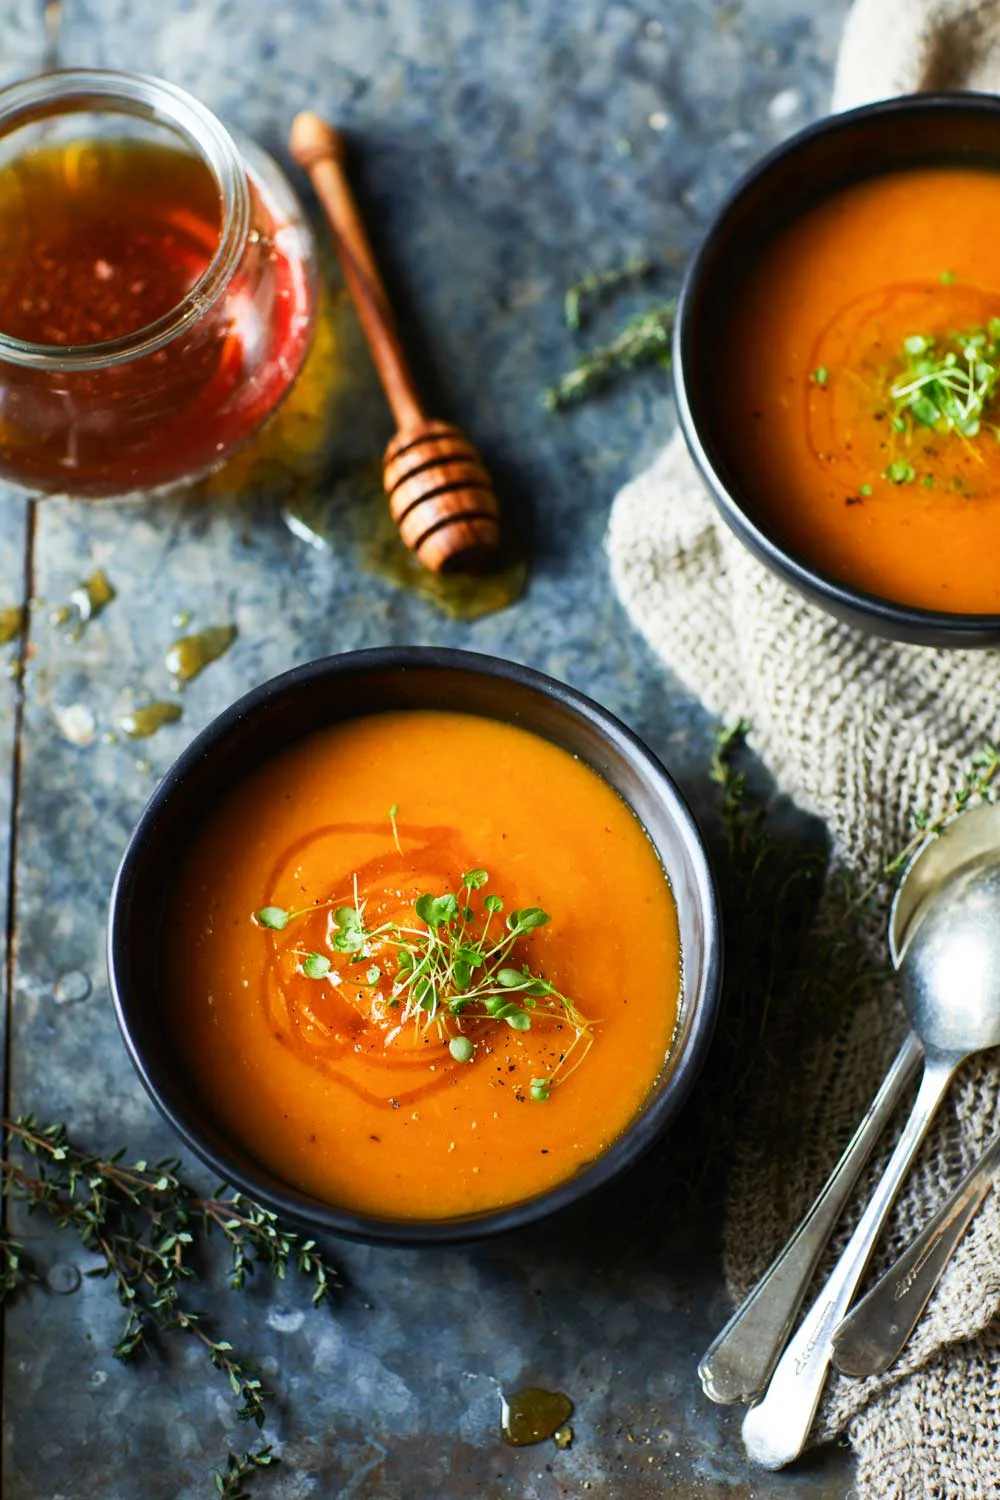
(596, 285)
(978, 784)
(146, 1227)
(230, 1484)
(459, 967)
(644, 339)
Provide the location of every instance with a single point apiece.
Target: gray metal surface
(502, 150)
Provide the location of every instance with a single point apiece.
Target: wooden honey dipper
(440, 494)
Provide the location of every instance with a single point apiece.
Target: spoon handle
(875, 1333)
(739, 1363)
(775, 1431)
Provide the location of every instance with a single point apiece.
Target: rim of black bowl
(163, 1084)
(896, 621)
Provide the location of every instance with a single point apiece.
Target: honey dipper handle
(319, 149)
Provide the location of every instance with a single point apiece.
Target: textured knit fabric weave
(861, 732)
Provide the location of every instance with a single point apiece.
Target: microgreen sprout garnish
(459, 966)
(821, 375)
(394, 809)
(947, 383)
(899, 472)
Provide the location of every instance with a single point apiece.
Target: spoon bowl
(964, 839)
(950, 963)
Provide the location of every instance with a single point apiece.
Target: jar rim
(143, 96)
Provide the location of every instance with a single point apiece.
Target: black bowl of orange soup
(837, 363)
(415, 945)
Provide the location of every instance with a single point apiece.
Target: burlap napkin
(861, 732)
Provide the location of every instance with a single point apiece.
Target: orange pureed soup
(859, 443)
(307, 1038)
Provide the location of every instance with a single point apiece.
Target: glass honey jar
(157, 285)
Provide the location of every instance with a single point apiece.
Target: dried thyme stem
(976, 784)
(591, 288)
(645, 339)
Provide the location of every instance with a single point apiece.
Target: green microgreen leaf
(274, 917)
(540, 1089)
(475, 879)
(461, 974)
(492, 904)
(864, 489)
(425, 994)
(445, 910)
(527, 919)
(461, 1049)
(820, 375)
(900, 472)
(394, 809)
(315, 965)
(350, 941)
(374, 974)
(511, 978)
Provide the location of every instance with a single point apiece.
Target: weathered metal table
(505, 147)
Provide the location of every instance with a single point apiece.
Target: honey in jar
(156, 290)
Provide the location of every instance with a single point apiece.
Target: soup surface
(861, 416)
(306, 1036)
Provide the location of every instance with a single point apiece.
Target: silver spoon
(945, 938)
(740, 1361)
(874, 1333)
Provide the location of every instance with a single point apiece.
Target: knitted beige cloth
(861, 732)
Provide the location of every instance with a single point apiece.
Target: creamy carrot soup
(423, 964)
(861, 402)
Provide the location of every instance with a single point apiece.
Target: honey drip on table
(143, 722)
(189, 655)
(532, 1415)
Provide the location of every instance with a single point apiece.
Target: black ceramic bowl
(365, 682)
(918, 130)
